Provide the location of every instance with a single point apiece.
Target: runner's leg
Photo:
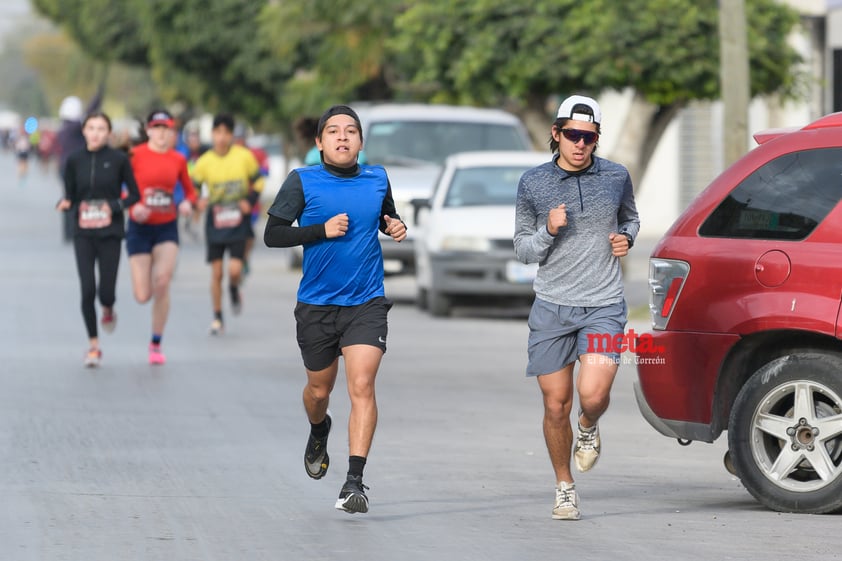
(557, 392)
(141, 267)
(216, 286)
(109, 263)
(164, 259)
(361, 365)
(85, 251)
(317, 391)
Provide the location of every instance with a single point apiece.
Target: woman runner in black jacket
(94, 183)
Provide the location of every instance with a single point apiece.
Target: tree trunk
(538, 122)
(641, 133)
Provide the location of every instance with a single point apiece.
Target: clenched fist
(619, 245)
(557, 219)
(395, 228)
(337, 226)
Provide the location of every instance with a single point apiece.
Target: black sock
(217, 315)
(319, 430)
(355, 466)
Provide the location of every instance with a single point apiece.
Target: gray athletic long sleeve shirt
(576, 267)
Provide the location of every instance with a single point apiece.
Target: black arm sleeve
(70, 182)
(281, 233)
(252, 197)
(132, 192)
(388, 209)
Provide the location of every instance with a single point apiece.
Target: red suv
(745, 294)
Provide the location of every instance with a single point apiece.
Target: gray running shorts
(558, 335)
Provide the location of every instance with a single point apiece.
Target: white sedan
(465, 250)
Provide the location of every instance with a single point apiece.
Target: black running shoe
(236, 300)
(352, 496)
(316, 459)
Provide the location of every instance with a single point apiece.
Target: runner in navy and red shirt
(152, 237)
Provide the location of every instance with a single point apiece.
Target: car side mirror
(417, 206)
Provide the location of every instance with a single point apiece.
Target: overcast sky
(11, 13)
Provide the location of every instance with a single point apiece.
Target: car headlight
(465, 243)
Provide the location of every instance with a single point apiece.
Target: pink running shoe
(109, 322)
(155, 354)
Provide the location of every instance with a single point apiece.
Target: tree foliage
(274, 60)
(482, 51)
(490, 52)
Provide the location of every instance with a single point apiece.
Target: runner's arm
(187, 184)
(70, 181)
(281, 233)
(287, 208)
(256, 181)
(388, 209)
(132, 191)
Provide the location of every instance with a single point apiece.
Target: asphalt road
(201, 459)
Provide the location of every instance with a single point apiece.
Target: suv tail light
(666, 278)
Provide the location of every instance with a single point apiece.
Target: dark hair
(224, 119)
(338, 110)
(561, 122)
(97, 115)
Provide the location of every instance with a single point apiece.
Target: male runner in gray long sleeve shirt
(575, 217)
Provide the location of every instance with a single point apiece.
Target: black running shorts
(322, 331)
(216, 251)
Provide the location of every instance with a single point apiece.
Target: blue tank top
(348, 270)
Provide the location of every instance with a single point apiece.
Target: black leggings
(105, 251)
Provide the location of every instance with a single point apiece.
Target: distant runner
(152, 239)
(94, 180)
(232, 178)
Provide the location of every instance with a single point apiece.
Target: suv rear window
(784, 199)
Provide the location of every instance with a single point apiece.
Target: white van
(412, 142)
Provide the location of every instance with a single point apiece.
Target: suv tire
(786, 450)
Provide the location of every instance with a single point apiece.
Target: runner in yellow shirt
(231, 185)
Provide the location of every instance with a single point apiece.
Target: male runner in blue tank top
(341, 310)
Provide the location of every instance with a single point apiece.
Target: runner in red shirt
(152, 236)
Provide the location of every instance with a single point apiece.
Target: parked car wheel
(422, 299)
(439, 304)
(785, 433)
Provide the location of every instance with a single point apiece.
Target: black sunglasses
(575, 135)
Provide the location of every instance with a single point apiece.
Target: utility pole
(733, 78)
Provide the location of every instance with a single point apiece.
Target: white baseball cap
(571, 108)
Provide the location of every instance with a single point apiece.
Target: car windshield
(411, 143)
(484, 186)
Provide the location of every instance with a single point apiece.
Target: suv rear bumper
(674, 429)
(677, 375)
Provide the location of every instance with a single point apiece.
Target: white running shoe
(586, 451)
(216, 328)
(93, 358)
(566, 502)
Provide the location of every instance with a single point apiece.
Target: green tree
(108, 30)
(491, 52)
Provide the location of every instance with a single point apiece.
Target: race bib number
(227, 216)
(158, 201)
(94, 214)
